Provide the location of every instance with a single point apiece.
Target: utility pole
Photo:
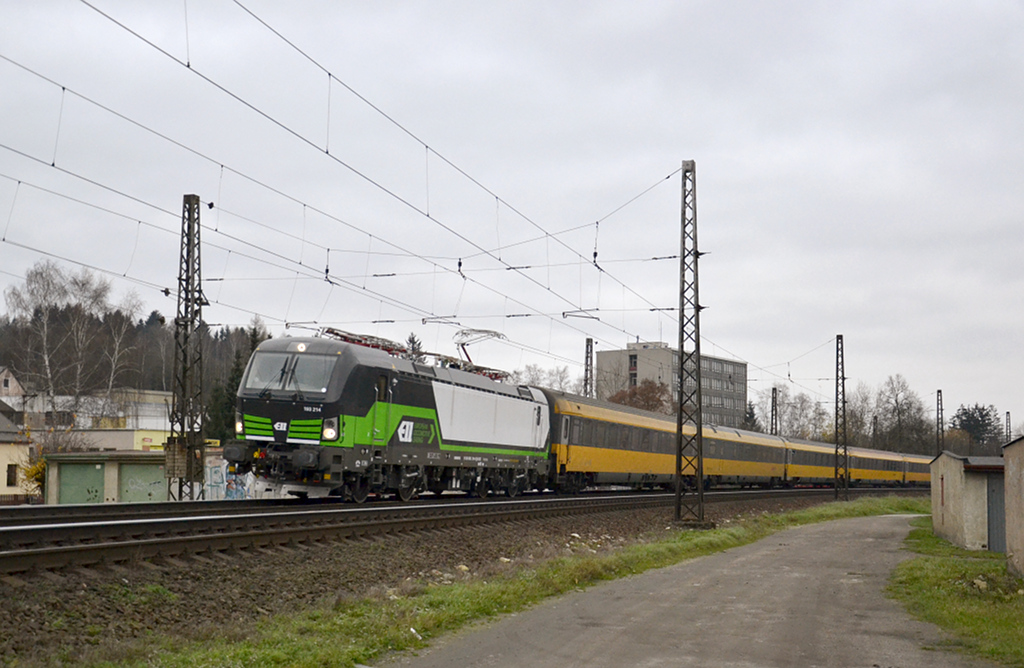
(842, 479)
(940, 425)
(588, 370)
(185, 450)
(689, 447)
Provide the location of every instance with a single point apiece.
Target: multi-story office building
(724, 382)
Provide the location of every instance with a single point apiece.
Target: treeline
(890, 417)
(65, 340)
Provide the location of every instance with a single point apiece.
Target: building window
(7, 383)
(632, 362)
(12, 475)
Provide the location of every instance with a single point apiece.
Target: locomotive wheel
(513, 489)
(482, 488)
(359, 489)
(406, 493)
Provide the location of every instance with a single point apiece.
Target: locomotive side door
(381, 410)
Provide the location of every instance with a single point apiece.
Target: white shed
(967, 501)
(1013, 457)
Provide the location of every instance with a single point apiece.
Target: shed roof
(1015, 441)
(976, 464)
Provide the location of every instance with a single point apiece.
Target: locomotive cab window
(289, 372)
(382, 388)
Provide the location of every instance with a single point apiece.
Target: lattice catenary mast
(940, 425)
(774, 427)
(689, 447)
(588, 370)
(842, 478)
(185, 449)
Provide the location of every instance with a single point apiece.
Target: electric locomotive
(336, 418)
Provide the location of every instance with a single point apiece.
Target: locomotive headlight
(330, 430)
(239, 426)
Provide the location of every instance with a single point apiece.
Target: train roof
(589, 405)
(373, 357)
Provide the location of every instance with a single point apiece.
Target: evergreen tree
(750, 421)
(221, 407)
(415, 349)
(982, 426)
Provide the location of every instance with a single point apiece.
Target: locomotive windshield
(289, 372)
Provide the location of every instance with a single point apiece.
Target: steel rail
(57, 545)
(94, 512)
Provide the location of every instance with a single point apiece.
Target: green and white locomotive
(320, 416)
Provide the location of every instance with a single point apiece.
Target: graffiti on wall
(223, 485)
(154, 489)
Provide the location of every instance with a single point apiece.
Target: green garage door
(142, 482)
(80, 483)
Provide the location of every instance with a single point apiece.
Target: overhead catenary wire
(546, 235)
(351, 285)
(291, 131)
(334, 281)
(222, 166)
(358, 172)
(239, 240)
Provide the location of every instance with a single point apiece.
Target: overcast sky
(859, 171)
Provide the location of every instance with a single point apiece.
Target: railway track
(49, 538)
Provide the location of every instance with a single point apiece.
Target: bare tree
(860, 409)
(799, 415)
(121, 330)
(611, 379)
(559, 379)
(87, 304)
(808, 419)
(35, 306)
(901, 417)
(154, 350)
(531, 374)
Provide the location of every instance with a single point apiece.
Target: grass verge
(350, 632)
(968, 593)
